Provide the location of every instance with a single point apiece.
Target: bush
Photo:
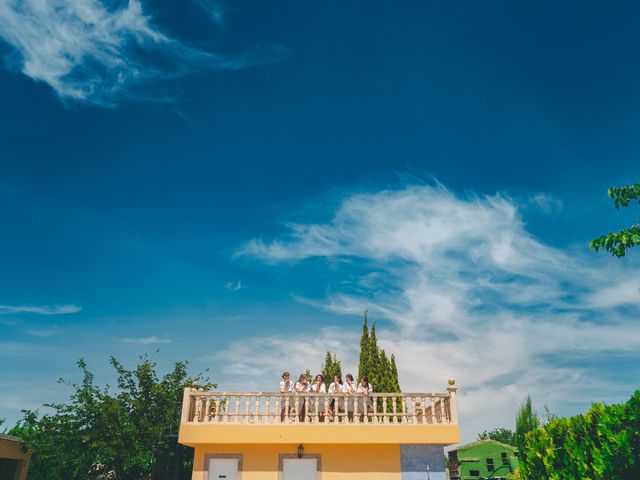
(601, 444)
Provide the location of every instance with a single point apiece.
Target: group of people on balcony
(339, 404)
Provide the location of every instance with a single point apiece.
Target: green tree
(602, 443)
(526, 421)
(394, 374)
(128, 432)
(503, 435)
(363, 361)
(617, 243)
(330, 368)
(374, 364)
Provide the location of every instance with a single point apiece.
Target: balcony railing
(270, 408)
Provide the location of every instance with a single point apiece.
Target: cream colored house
(14, 463)
(281, 436)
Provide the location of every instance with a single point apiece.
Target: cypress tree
(384, 374)
(331, 368)
(526, 420)
(374, 368)
(395, 383)
(363, 363)
(374, 364)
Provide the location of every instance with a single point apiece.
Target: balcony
(210, 417)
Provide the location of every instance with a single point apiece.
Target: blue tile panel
(414, 460)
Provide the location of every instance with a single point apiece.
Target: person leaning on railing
(286, 386)
(365, 388)
(319, 387)
(302, 386)
(335, 387)
(349, 387)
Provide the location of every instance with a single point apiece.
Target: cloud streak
(40, 309)
(91, 53)
(153, 340)
(469, 292)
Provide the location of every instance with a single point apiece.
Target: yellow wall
(12, 450)
(339, 462)
(203, 433)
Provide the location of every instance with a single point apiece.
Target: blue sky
(234, 183)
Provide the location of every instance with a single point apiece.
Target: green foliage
(330, 368)
(128, 431)
(374, 364)
(617, 243)
(603, 443)
(515, 475)
(526, 420)
(363, 363)
(502, 435)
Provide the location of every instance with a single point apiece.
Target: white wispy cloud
(234, 286)
(40, 309)
(90, 51)
(153, 340)
(469, 293)
(547, 203)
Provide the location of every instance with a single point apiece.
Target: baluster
(307, 407)
(196, 418)
(287, 407)
(297, 405)
(257, 415)
(237, 410)
(316, 416)
(414, 418)
(356, 409)
(374, 403)
(394, 409)
(433, 410)
(247, 408)
(446, 413)
(267, 408)
(421, 411)
(216, 416)
(207, 410)
(325, 399)
(279, 412)
(365, 408)
(227, 409)
(385, 418)
(405, 412)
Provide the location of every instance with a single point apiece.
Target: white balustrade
(200, 407)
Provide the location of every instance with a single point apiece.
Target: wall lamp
(300, 450)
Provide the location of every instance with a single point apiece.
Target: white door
(303, 469)
(223, 469)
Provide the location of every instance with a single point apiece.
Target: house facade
(14, 462)
(484, 459)
(276, 436)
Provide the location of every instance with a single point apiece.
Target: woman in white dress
(365, 389)
(318, 386)
(286, 386)
(335, 387)
(302, 386)
(350, 388)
